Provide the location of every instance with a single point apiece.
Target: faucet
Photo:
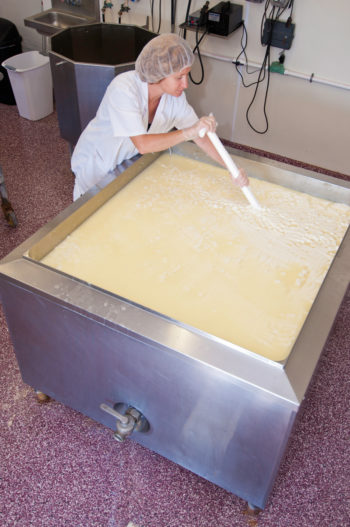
(124, 8)
(131, 421)
(106, 5)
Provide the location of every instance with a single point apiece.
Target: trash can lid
(30, 60)
(8, 32)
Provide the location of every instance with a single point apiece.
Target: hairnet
(163, 56)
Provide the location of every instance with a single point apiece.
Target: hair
(162, 56)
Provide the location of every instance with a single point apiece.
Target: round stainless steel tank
(84, 60)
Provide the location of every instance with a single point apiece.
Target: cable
(187, 15)
(160, 15)
(203, 18)
(151, 3)
(173, 12)
(273, 16)
(263, 68)
(243, 52)
(199, 57)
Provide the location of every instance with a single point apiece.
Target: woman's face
(176, 83)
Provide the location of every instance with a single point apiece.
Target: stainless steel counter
(220, 411)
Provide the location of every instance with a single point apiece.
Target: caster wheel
(252, 512)
(42, 397)
(252, 509)
(9, 213)
(11, 219)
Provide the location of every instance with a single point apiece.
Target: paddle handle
(231, 166)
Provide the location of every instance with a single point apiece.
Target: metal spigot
(131, 421)
(124, 8)
(106, 5)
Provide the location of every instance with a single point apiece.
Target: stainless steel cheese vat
(84, 60)
(220, 411)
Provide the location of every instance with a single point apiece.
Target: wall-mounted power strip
(278, 34)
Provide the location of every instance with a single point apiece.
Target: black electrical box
(224, 18)
(278, 34)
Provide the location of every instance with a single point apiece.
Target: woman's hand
(206, 123)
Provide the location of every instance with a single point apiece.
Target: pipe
(290, 73)
(124, 419)
(231, 166)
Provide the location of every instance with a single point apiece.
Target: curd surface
(182, 240)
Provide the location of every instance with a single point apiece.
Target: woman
(139, 112)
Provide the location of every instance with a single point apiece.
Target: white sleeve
(125, 111)
(185, 114)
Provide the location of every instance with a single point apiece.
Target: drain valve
(129, 420)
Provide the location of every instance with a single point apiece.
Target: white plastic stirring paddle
(231, 167)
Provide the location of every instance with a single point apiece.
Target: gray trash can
(31, 81)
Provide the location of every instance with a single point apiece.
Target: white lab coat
(123, 112)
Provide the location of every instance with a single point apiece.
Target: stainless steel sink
(51, 21)
(61, 20)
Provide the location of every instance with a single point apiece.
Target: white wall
(16, 11)
(307, 121)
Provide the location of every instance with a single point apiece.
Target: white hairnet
(163, 56)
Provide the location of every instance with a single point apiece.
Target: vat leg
(42, 397)
(5, 204)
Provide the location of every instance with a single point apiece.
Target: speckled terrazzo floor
(59, 468)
